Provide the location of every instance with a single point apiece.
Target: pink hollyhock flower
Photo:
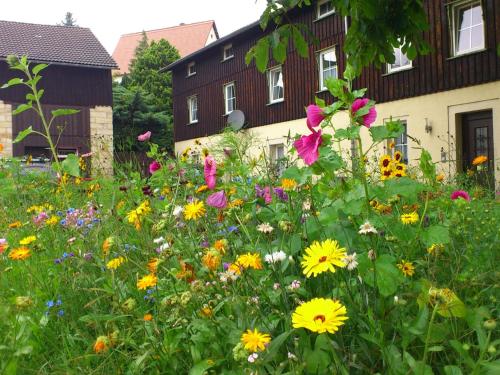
(154, 166)
(217, 200)
(370, 117)
(144, 137)
(307, 147)
(460, 194)
(210, 172)
(314, 116)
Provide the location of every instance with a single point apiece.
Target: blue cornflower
(232, 228)
(60, 312)
(58, 302)
(58, 261)
(79, 222)
(59, 213)
(65, 255)
(49, 304)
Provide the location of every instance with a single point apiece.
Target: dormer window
(324, 8)
(191, 69)
(228, 52)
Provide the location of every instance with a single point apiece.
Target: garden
(213, 263)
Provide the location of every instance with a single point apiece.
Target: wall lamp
(443, 155)
(428, 126)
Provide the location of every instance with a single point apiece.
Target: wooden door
(477, 138)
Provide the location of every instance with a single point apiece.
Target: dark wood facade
(432, 73)
(76, 87)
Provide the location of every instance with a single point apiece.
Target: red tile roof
(187, 38)
(69, 45)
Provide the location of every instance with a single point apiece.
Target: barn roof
(187, 38)
(64, 45)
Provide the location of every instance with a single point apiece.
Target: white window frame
(401, 142)
(227, 47)
(192, 111)
(227, 99)
(270, 85)
(455, 10)
(398, 51)
(191, 72)
(318, 9)
(321, 53)
(277, 155)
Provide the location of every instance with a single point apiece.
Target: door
(477, 139)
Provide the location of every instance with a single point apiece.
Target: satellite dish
(236, 119)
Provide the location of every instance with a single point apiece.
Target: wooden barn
(78, 76)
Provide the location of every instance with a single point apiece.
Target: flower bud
(490, 324)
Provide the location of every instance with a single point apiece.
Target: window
(277, 154)
(324, 8)
(401, 143)
(401, 62)
(327, 66)
(228, 52)
(276, 86)
(467, 27)
(229, 98)
(191, 69)
(192, 102)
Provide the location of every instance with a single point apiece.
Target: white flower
(295, 284)
(291, 356)
(159, 240)
(351, 261)
(178, 211)
(253, 357)
(276, 286)
(227, 276)
(164, 246)
(306, 205)
(277, 256)
(367, 228)
(265, 228)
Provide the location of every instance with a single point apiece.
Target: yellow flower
(148, 317)
(221, 245)
(391, 145)
(202, 188)
(194, 210)
(398, 156)
(153, 265)
(211, 259)
(399, 170)
(288, 184)
(101, 345)
(147, 281)
(322, 257)
(52, 221)
(385, 162)
(236, 203)
(410, 218)
(21, 253)
(15, 224)
(407, 268)
(478, 160)
(249, 260)
(386, 173)
(113, 264)
(27, 240)
(255, 341)
(206, 311)
(320, 315)
(135, 216)
(1, 147)
(435, 249)
(440, 177)
(106, 245)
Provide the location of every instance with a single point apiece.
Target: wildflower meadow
(215, 262)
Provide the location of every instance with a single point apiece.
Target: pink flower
(144, 137)
(210, 172)
(314, 116)
(307, 147)
(370, 117)
(154, 166)
(217, 200)
(460, 194)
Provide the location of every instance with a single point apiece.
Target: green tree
(145, 73)
(375, 27)
(143, 44)
(134, 113)
(68, 20)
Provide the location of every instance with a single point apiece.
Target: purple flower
(210, 172)
(264, 193)
(460, 194)
(144, 137)
(314, 116)
(154, 166)
(217, 200)
(307, 147)
(280, 193)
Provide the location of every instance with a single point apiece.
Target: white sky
(108, 19)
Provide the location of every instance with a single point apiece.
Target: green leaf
(71, 165)
(436, 234)
(23, 134)
(388, 276)
(63, 112)
(275, 345)
(427, 166)
(21, 108)
(201, 367)
(262, 54)
(452, 370)
(335, 87)
(13, 82)
(493, 368)
(38, 68)
(351, 132)
(392, 129)
(418, 326)
(300, 42)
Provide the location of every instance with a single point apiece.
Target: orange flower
(1, 147)
(101, 345)
(478, 160)
(211, 259)
(15, 224)
(148, 317)
(21, 253)
(186, 272)
(221, 246)
(440, 177)
(153, 265)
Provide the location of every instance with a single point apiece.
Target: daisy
(351, 261)
(277, 256)
(367, 228)
(322, 257)
(265, 228)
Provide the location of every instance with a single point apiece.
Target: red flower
(370, 117)
(210, 172)
(144, 137)
(307, 147)
(154, 166)
(460, 194)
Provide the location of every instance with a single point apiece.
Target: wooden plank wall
(431, 73)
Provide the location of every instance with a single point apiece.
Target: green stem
(363, 173)
(481, 354)
(428, 336)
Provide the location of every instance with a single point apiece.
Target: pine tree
(68, 20)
